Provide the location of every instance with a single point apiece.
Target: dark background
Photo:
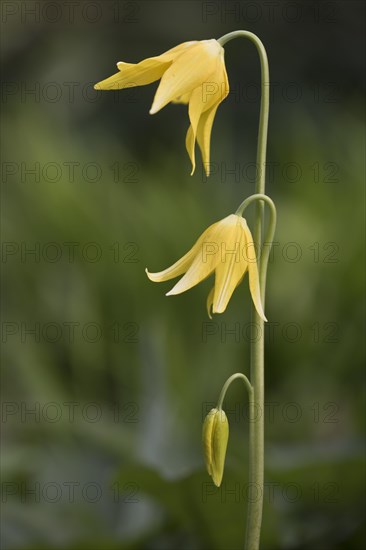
(105, 380)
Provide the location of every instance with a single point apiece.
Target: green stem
(256, 408)
(225, 387)
(268, 241)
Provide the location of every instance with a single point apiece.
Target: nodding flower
(192, 73)
(227, 249)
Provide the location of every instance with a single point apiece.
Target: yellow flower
(215, 435)
(192, 73)
(225, 248)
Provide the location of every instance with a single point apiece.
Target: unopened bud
(215, 435)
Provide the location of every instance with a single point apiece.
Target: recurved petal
(207, 256)
(166, 57)
(184, 263)
(131, 74)
(197, 272)
(145, 72)
(176, 269)
(201, 259)
(187, 72)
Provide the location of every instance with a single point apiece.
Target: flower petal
(207, 118)
(255, 290)
(196, 114)
(131, 74)
(145, 72)
(231, 268)
(195, 110)
(198, 271)
(209, 301)
(207, 256)
(190, 146)
(201, 260)
(187, 72)
(182, 265)
(183, 98)
(254, 285)
(169, 55)
(176, 269)
(202, 109)
(204, 136)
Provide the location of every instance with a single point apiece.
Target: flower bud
(215, 435)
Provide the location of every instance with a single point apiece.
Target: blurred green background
(105, 381)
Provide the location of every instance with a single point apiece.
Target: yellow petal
(231, 267)
(183, 98)
(197, 272)
(183, 264)
(204, 136)
(209, 301)
(176, 269)
(187, 72)
(169, 55)
(206, 257)
(190, 143)
(145, 72)
(202, 109)
(196, 114)
(216, 88)
(142, 73)
(254, 281)
(195, 110)
(207, 118)
(255, 290)
(201, 260)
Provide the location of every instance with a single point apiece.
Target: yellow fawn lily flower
(215, 435)
(193, 73)
(226, 248)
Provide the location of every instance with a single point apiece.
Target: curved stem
(256, 426)
(264, 112)
(227, 384)
(265, 247)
